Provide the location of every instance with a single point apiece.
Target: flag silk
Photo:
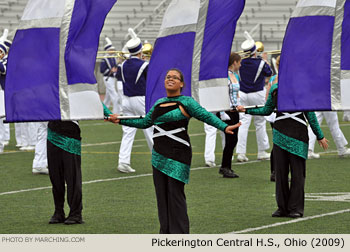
(195, 37)
(50, 71)
(314, 72)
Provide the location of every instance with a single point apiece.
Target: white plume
(108, 41)
(132, 33)
(4, 35)
(247, 36)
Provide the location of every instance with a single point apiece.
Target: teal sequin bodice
(172, 152)
(287, 137)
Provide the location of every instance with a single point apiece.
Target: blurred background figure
(346, 116)
(40, 155)
(252, 92)
(109, 68)
(337, 135)
(4, 128)
(133, 74)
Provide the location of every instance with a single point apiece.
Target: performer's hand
(323, 143)
(229, 129)
(113, 118)
(240, 108)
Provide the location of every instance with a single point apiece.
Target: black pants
(171, 201)
(272, 168)
(65, 167)
(289, 198)
(230, 140)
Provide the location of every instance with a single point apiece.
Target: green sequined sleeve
(106, 111)
(269, 105)
(312, 119)
(141, 123)
(200, 113)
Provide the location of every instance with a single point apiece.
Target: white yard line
(289, 222)
(115, 179)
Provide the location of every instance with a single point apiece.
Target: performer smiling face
(174, 82)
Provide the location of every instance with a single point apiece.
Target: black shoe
(273, 177)
(294, 215)
(74, 220)
(55, 219)
(221, 170)
(228, 173)
(279, 213)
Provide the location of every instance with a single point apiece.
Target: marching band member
(210, 144)
(132, 73)
(337, 135)
(346, 116)
(40, 155)
(109, 68)
(4, 47)
(252, 92)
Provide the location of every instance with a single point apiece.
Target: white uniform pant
(26, 133)
(112, 95)
(40, 156)
(133, 106)
(249, 99)
(2, 134)
(333, 125)
(210, 142)
(346, 116)
(7, 131)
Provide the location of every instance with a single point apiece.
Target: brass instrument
(147, 50)
(274, 52)
(259, 47)
(112, 54)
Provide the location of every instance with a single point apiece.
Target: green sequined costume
(71, 141)
(172, 152)
(289, 134)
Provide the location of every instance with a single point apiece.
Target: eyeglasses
(168, 77)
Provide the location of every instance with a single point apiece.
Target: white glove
(224, 116)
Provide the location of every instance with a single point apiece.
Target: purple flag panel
(200, 48)
(174, 51)
(345, 59)
(32, 76)
(218, 35)
(87, 21)
(39, 83)
(304, 74)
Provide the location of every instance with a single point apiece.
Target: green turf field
(116, 203)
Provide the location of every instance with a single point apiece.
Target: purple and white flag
(314, 70)
(195, 37)
(50, 71)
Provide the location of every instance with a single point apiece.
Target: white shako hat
(4, 42)
(126, 52)
(248, 46)
(109, 45)
(134, 45)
